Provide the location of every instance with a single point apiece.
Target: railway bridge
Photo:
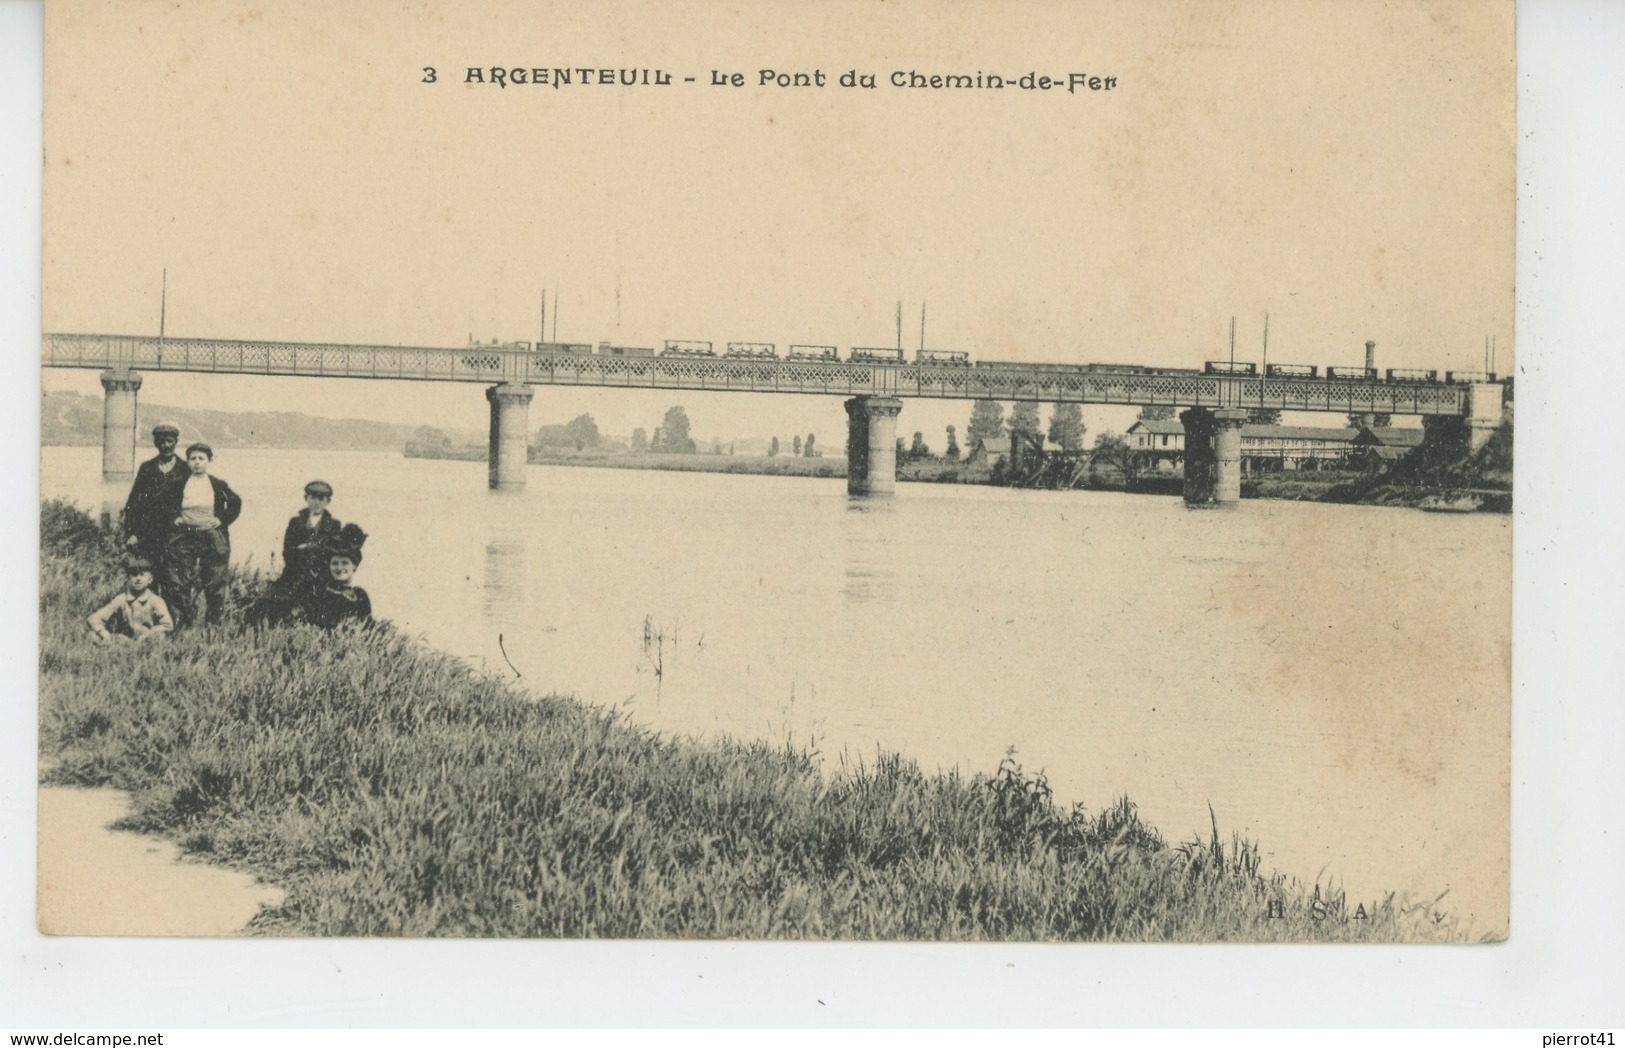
(1215, 405)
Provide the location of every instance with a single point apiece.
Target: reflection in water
(871, 504)
(504, 592)
(870, 575)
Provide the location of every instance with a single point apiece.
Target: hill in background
(74, 419)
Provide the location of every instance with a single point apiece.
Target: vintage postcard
(946, 471)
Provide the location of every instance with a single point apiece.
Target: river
(1332, 680)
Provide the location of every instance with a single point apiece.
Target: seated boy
(137, 613)
(339, 600)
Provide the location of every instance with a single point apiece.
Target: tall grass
(394, 790)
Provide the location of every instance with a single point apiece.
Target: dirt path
(96, 881)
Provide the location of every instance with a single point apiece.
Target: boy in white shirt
(201, 508)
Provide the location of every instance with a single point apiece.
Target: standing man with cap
(147, 531)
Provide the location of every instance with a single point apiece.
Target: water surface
(1332, 680)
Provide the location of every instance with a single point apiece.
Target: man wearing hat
(309, 531)
(304, 556)
(149, 531)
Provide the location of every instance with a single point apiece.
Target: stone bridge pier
(118, 424)
(509, 451)
(1466, 435)
(871, 445)
(1212, 456)
(1486, 410)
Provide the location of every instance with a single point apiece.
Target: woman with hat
(339, 600)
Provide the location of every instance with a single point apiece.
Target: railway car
(753, 350)
(1022, 364)
(875, 355)
(1357, 374)
(1085, 369)
(676, 347)
(1116, 369)
(1412, 375)
(1462, 378)
(577, 349)
(1230, 367)
(607, 350)
(949, 357)
(1291, 371)
(1089, 369)
(801, 352)
(1138, 369)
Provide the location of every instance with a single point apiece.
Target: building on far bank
(1158, 446)
(1272, 449)
(1376, 446)
(987, 451)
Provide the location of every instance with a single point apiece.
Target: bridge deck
(983, 382)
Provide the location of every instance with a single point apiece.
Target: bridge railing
(332, 360)
(1182, 390)
(843, 378)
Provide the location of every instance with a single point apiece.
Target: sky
(1346, 169)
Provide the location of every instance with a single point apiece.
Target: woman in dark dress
(338, 600)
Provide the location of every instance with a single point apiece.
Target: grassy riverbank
(1352, 489)
(393, 790)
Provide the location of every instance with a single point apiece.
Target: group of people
(177, 520)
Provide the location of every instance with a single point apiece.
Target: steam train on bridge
(941, 358)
